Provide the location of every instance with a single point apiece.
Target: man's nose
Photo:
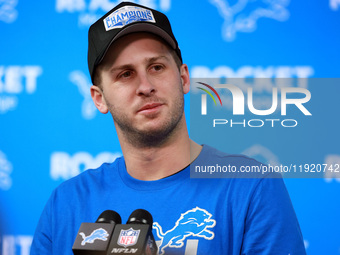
(145, 86)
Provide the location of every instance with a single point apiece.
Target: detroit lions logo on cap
(126, 15)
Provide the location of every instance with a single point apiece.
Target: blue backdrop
(51, 131)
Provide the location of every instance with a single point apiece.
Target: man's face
(143, 88)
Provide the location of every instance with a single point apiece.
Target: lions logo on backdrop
(262, 154)
(244, 14)
(334, 4)
(195, 222)
(8, 13)
(128, 237)
(98, 234)
(5, 171)
(88, 108)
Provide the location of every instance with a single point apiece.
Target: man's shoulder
(213, 154)
(213, 163)
(93, 176)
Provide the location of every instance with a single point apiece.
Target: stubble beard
(150, 138)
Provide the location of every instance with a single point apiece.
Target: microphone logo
(98, 234)
(128, 237)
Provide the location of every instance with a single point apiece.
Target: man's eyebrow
(131, 66)
(155, 59)
(122, 67)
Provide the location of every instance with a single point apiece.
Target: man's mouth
(149, 108)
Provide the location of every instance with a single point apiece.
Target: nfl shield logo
(128, 237)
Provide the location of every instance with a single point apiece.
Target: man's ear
(98, 99)
(185, 77)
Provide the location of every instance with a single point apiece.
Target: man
(136, 68)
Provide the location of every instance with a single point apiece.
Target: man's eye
(126, 74)
(157, 67)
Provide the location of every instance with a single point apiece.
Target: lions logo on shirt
(194, 222)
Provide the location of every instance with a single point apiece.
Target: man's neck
(154, 163)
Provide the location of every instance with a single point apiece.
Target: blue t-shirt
(191, 216)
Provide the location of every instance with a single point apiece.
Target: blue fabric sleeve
(271, 225)
(42, 240)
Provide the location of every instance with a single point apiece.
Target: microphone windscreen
(109, 216)
(140, 216)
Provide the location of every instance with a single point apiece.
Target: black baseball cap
(124, 19)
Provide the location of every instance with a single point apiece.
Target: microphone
(94, 238)
(135, 236)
